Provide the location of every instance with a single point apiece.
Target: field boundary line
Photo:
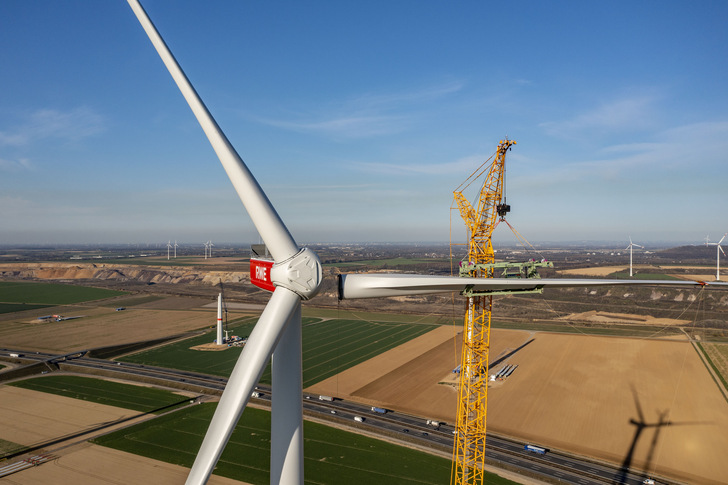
(708, 363)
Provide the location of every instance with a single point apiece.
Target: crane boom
(469, 448)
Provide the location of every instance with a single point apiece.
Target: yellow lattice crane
(469, 449)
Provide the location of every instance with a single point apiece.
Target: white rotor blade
(250, 366)
(279, 241)
(353, 286)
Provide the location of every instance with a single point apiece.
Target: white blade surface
(279, 241)
(353, 286)
(251, 364)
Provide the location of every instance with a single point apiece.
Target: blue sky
(360, 118)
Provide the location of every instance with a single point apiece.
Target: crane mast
(469, 448)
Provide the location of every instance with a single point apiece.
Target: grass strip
(715, 369)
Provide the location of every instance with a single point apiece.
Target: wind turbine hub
(302, 274)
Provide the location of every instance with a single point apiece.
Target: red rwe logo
(260, 273)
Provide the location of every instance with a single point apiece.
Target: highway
(500, 451)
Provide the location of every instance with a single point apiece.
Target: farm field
(19, 307)
(369, 316)
(330, 455)
(31, 418)
(51, 293)
(99, 327)
(89, 464)
(718, 355)
(581, 394)
(329, 346)
(127, 396)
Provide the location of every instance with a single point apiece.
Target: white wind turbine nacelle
(294, 275)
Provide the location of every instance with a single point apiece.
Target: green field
(51, 293)
(133, 301)
(330, 455)
(329, 347)
(127, 396)
(10, 448)
(379, 317)
(19, 307)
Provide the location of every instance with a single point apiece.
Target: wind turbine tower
(631, 245)
(219, 339)
(718, 250)
(169, 246)
(175, 249)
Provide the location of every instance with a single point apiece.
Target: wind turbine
(175, 249)
(718, 250)
(209, 247)
(631, 244)
(295, 275)
(169, 246)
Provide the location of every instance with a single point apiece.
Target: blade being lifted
(354, 286)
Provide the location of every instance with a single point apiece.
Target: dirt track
(578, 393)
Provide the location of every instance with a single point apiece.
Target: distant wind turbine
(631, 244)
(175, 249)
(718, 250)
(169, 246)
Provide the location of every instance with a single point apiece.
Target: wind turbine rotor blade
(250, 366)
(721, 239)
(274, 233)
(354, 286)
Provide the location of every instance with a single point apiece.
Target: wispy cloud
(45, 124)
(462, 165)
(368, 115)
(15, 165)
(677, 153)
(633, 113)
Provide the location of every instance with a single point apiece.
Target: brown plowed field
(30, 418)
(102, 326)
(89, 464)
(583, 394)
